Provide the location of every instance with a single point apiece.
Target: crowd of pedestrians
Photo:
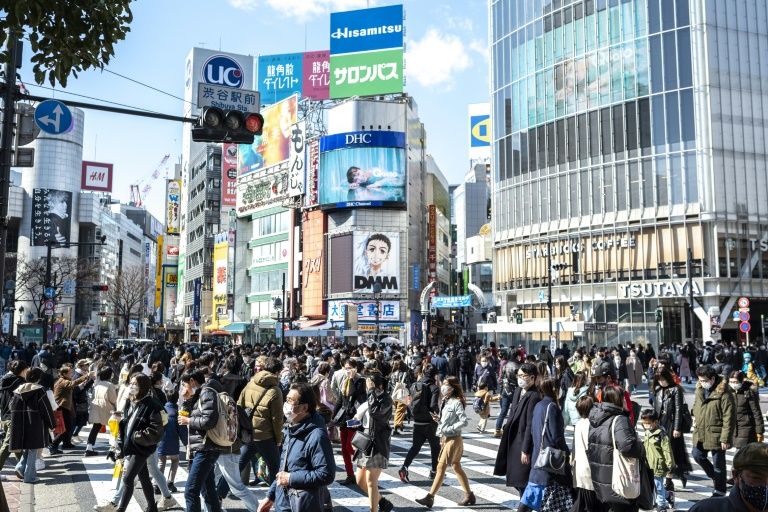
(276, 415)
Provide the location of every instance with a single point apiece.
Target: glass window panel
(644, 122)
(562, 192)
(583, 147)
(667, 14)
(654, 16)
(534, 205)
(641, 66)
(604, 76)
(662, 194)
(618, 129)
(602, 28)
(631, 130)
(688, 131)
(594, 134)
(554, 203)
(596, 190)
(532, 149)
(626, 56)
(549, 82)
(584, 191)
(557, 35)
(568, 34)
(571, 139)
(691, 178)
(648, 179)
(605, 131)
(676, 178)
(561, 152)
(683, 14)
(524, 153)
(659, 135)
(551, 143)
(514, 150)
(634, 184)
(617, 76)
(541, 141)
(627, 21)
(641, 19)
(573, 193)
(608, 192)
(673, 121)
(684, 57)
(621, 187)
(614, 22)
(657, 78)
(579, 34)
(670, 61)
(562, 89)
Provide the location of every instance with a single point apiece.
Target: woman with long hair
(452, 420)
(668, 404)
(564, 376)
(578, 389)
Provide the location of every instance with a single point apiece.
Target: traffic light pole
(691, 313)
(48, 247)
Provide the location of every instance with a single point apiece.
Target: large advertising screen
(51, 216)
(362, 169)
(376, 259)
(274, 144)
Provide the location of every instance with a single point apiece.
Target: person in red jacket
(604, 378)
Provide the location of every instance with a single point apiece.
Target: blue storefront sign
(364, 30)
(197, 299)
(450, 302)
(373, 139)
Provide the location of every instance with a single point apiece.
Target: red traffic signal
(217, 125)
(100, 287)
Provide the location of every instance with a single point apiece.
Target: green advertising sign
(367, 73)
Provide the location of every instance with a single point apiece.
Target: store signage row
(600, 327)
(658, 289)
(577, 246)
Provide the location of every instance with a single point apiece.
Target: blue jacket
(570, 414)
(308, 457)
(169, 445)
(554, 436)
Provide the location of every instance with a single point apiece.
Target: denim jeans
(200, 479)
(715, 469)
(26, 466)
(154, 471)
(661, 493)
(229, 467)
(268, 450)
(506, 401)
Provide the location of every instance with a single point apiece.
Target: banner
(364, 30)
(96, 176)
(367, 74)
(159, 277)
(349, 176)
(229, 174)
(220, 280)
(316, 75)
(280, 76)
(313, 263)
(273, 145)
(366, 310)
(451, 302)
(296, 173)
(258, 190)
(170, 292)
(51, 216)
(376, 259)
(197, 299)
(172, 206)
(479, 131)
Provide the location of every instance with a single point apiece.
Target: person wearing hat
(604, 377)
(750, 490)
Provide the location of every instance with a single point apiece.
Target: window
(670, 60)
(659, 136)
(632, 134)
(618, 128)
(655, 58)
(605, 130)
(621, 187)
(644, 123)
(634, 184)
(594, 134)
(673, 121)
(662, 194)
(571, 141)
(676, 179)
(561, 152)
(684, 57)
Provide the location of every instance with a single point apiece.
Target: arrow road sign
(50, 292)
(53, 117)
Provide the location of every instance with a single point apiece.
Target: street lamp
(377, 297)
(278, 305)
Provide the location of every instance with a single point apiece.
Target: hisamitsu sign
(367, 29)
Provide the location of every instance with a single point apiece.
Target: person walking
(374, 416)
(452, 420)
(482, 405)
(31, 416)
(425, 405)
(169, 447)
(634, 371)
(670, 407)
(578, 389)
(508, 384)
(715, 411)
(658, 452)
(104, 402)
(564, 376)
(10, 381)
(749, 418)
(400, 381)
(584, 490)
(351, 396)
(62, 392)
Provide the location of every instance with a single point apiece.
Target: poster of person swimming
(361, 169)
(376, 258)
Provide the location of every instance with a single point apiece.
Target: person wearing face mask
(671, 409)
(513, 459)
(62, 392)
(605, 378)
(750, 490)
(307, 464)
(749, 418)
(484, 373)
(715, 411)
(425, 405)
(634, 369)
(352, 394)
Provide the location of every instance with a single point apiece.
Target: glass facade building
(626, 133)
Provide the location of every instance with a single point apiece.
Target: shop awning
(236, 327)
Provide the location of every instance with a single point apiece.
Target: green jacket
(715, 416)
(658, 450)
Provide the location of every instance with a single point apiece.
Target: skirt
(452, 451)
(375, 461)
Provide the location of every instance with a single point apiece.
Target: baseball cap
(754, 456)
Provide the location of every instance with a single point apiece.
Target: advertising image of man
(375, 254)
(58, 215)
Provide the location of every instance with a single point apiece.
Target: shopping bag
(117, 472)
(60, 426)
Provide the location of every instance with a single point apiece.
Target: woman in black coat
(31, 418)
(749, 417)
(514, 456)
(668, 404)
(352, 394)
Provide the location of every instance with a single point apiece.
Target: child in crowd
(483, 399)
(168, 449)
(659, 453)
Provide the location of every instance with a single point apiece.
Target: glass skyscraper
(629, 154)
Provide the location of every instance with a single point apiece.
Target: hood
(265, 379)
(28, 389)
(574, 394)
(602, 413)
(653, 433)
(214, 383)
(303, 429)
(10, 381)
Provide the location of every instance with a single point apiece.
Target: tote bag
(626, 471)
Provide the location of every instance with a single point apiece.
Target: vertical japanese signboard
(316, 75)
(51, 216)
(313, 167)
(229, 175)
(296, 173)
(432, 243)
(172, 206)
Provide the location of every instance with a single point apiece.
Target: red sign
(743, 302)
(96, 176)
(172, 250)
(229, 175)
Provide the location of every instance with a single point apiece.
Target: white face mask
(288, 412)
(446, 390)
(133, 389)
(735, 386)
(707, 384)
(521, 382)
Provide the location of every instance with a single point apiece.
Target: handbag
(647, 498)
(363, 440)
(60, 426)
(551, 460)
(625, 478)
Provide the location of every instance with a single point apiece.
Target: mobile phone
(353, 423)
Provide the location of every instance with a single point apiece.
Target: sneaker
(69, 446)
(54, 451)
(91, 453)
(172, 488)
(403, 474)
(107, 507)
(497, 434)
(167, 503)
(432, 475)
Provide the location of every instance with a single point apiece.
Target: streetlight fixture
(377, 297)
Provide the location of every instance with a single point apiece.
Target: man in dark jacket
(425, 407)
(750, 476)
(200, 412)
(10, 381)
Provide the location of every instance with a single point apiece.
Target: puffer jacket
(658, 450)
(570, 414)
(308, 457)
(600, 450)
(452, 418)
(203, 410)
(8, 385)
(31, 417)
(730, 503)
(715, 416)
(267, 418)
(749, 418)
(142, 428)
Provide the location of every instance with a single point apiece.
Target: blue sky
(446, 69)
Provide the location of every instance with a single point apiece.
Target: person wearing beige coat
(102, 405)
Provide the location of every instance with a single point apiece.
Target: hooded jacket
(31, 417)
(715, 416)
(308, 457)
(749, 418)
(142, 428)
(600, 449)
(267, 418)
(570, 413)
(8, 385)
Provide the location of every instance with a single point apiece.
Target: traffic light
(100, 287)
(217, 125)
(26, 131)
(519, 318)
(658, 315)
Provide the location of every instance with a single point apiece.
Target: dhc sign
(374, 139)
(223, 70)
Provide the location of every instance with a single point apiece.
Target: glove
(111, 456)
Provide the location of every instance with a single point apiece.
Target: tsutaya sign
(577, 246)
(651, 289)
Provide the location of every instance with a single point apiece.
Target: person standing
(425, 405)
(31, 416)
(352, 394)
(634, 371)
(715, 411)
(10, 381)
(749, 418)
(400, 381)
(103, 404)
(508, 384)
(452, 420)
(584, 489)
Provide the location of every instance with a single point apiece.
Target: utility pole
(282, 314)
(549, 288)
(48, 246)
(691, 314)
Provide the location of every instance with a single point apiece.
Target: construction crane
(141, 188)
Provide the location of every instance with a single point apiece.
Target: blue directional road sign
(54, 117)
(50, 292)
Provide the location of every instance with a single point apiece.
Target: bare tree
(126, 294)
(30, 279)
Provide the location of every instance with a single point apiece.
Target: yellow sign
(219, 316)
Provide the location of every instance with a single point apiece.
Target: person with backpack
(10, 381)
(482, 405)
(658, 452)
(425, 405)
(675, 419)
(484, 372)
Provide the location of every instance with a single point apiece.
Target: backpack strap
(257, 402)
(613, 431)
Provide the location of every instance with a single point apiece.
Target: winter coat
(308, 456)
(8, 385)
(267, 418)
(63, 389)
(169, 444)
(600, 450)
(668, 404)
(715, 416)
(634, 370)
(233, 384)
(554, 436)
(203, 415)
(452, 418)
(658, 451)
(376, 422)
(749, 418)
(570, 414)
(103, 403)
(425, 400)
(730, 503)
(141, 429)
(346, 405)
(486, 375)
(31, 417)
(516, 439)
(581, 471)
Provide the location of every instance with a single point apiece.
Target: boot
(468, 500)
(497, 434)
(385, 505)
(427, 501)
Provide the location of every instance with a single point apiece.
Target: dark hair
(547, 386)
(666, 374)
(34, 375)
(17, 366)
(136, 368)
(143, 382)
(584, 404)
(649, 414)
(306, 395)
(323, 368)
(158, 367)
(706, 371)
(105, 373)
(457, 391)
(230, 364)
(482, 385)
(580, 380)
(156, 377)
(529, 369)
(195, 375)
(738, 375)
(272, 365)
(354, 363)
(381, 237)
(351, 172)
(614, 395)
(542, 368)
(560, 361)
(377, 377)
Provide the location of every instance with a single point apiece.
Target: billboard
(159, 277)
(51, 216)
(316, 75)
(258, 190)
(172, 206)
(296, 173)
(170, 292)
(376, 259)
(479, 131)
(313, 168)
(313, 263)
(362, 169)
(229, 174)
(364, 30)
(280, 76)
(366, 310)
(220, 280)
(273, 145)
(367, 73)
(96, 176)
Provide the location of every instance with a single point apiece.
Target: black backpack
(420, 398)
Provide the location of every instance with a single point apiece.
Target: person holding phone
(352, 395)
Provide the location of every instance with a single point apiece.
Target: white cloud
(301, 9)
(436, 58)
(480, 48)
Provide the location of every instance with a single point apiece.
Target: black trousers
(94, 432)
(65, 437)
(422, 433)
(136, 465)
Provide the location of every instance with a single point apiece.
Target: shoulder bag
(625, 479)
(551, 460)
(363, 439)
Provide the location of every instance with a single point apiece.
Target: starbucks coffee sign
(653, 289)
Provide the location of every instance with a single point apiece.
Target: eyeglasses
(292, 401)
